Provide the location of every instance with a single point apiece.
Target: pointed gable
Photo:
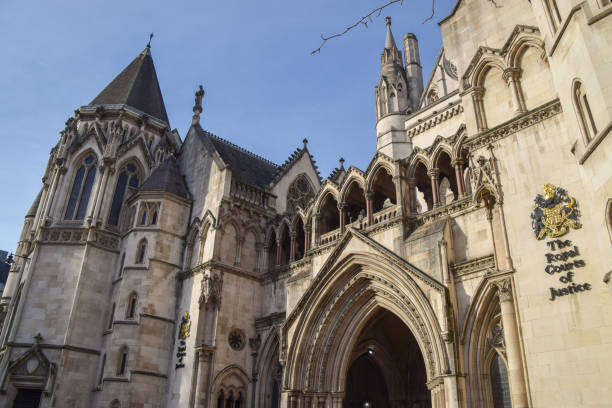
(136, 86)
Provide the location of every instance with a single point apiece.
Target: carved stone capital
(504, 289)
(433, 173)
(511, 74)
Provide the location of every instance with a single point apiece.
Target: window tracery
(81, 189)
(299, 194)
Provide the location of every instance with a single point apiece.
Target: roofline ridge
(242, 149)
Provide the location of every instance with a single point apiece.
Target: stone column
(317, 228)
(370, 207)
(292, 250)
(205, 354)
(342, 210)
(307, 233)
(459, 177)
(513, 347)
(481, 121)
(107, 169)
(490, 220)
(512, 76)
(412, 196)
(337, 400)
(435, 187)
(278, 252)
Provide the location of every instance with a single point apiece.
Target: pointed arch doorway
(387, 369)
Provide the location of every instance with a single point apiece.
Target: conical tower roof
(389, 41)
(136, 86)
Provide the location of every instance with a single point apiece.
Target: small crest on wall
(185, 328)
(554, 213)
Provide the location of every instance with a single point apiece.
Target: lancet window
(81, 189)
(127, 178)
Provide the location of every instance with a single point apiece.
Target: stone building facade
(154, 271)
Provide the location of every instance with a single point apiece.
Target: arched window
(229, 402)
(111, 317)
(220, 400)
(101, 373)
(131, 306)
(122, 363)
(81, 189)
(142, 251)
(127, 177)
(552, 10)
(238, 402)
(500, 389)
(275, 395)
(154, 218)
(583, 111)
(143, 217)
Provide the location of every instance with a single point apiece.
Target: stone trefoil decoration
(184, 331)
(554, 213)
(553, 216)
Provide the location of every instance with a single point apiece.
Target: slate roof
(168, 178)
(246, 167)
(136, 86)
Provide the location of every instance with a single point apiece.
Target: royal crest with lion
(554, 213)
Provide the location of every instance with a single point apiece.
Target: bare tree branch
(433, 11)
(368, 18)
(363, 20)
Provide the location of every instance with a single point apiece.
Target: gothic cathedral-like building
(466, 266)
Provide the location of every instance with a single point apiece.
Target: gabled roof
(247, 167)
(167, 178)
(292, 160)
(136, 86)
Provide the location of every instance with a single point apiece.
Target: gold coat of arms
(185, 327)
(554, 213)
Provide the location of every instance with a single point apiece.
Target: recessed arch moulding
(322, 332)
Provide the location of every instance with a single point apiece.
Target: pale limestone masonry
(159, 272)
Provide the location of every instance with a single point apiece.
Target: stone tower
(392, 101)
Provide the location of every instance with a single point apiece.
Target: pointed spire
(137, 87)
(389, 41)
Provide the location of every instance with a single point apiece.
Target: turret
(414, 71)
(392, 101)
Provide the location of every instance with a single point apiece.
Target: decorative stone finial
(150, 38)
(197, 108)
(342, 163)
(388, 21)
(305, 141)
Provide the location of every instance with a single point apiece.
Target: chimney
(414, 71)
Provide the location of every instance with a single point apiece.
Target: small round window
(236, 339)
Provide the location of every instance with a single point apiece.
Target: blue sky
(264, 91)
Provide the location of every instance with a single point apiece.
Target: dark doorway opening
(27, 398)
(387, 368)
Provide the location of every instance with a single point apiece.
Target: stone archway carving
(323, 328)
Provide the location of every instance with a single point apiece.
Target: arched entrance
(387, 369)
(365, 294)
